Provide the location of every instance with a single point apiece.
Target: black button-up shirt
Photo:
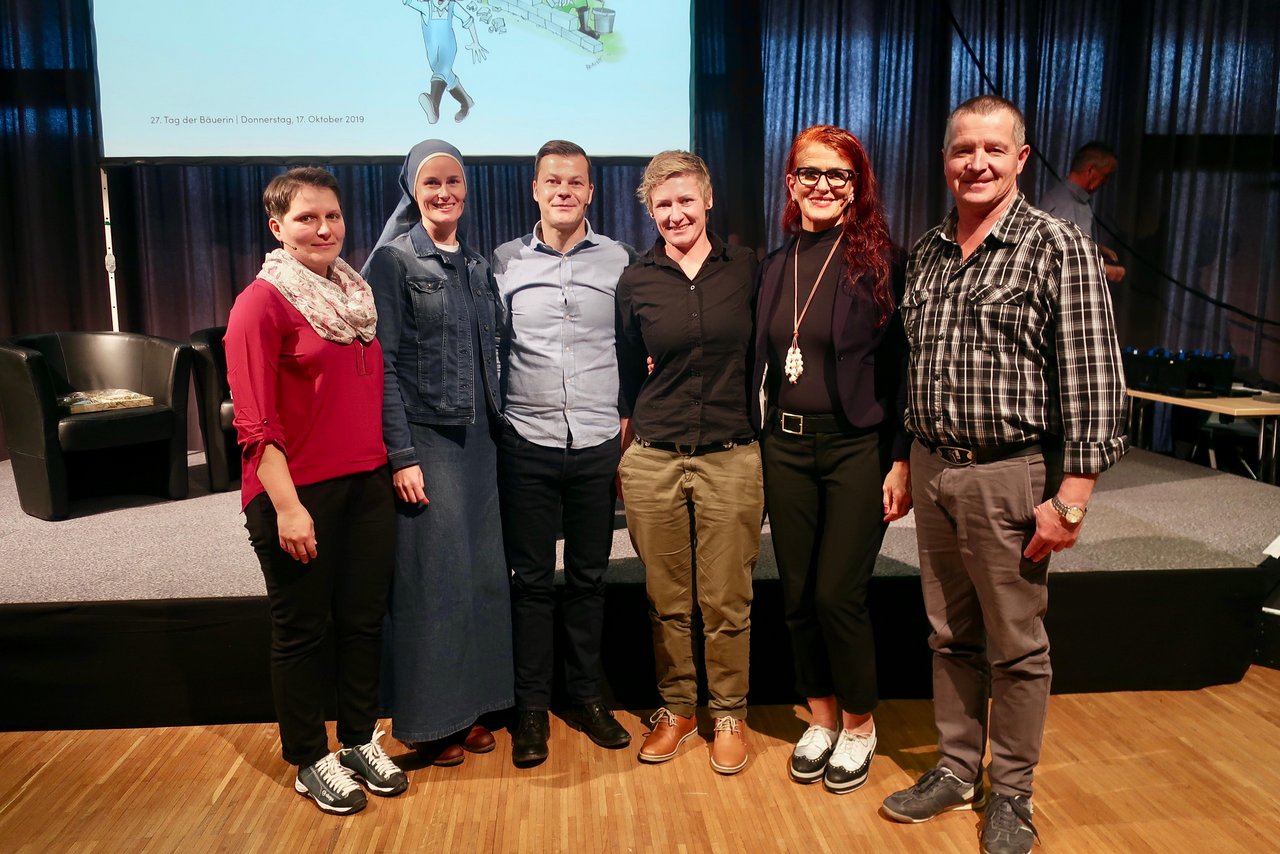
(1015, 342)
(699, 333)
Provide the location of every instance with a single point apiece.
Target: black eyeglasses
(836, 178)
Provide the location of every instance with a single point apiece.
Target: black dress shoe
(597, 722)
(529, 740)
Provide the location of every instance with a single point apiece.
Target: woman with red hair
(830, 358)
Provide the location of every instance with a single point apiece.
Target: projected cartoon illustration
(495, 72)
(442, 50)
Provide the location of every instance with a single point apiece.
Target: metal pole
(110, 261)
(1270, 475)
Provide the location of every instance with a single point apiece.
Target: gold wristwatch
(1070, 514)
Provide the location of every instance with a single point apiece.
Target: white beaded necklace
(793, 366)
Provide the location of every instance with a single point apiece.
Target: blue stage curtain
(728, 120)
(51, 236)
(1207, 196)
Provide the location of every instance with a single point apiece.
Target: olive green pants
(695, 523)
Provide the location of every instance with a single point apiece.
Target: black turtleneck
(815, 393)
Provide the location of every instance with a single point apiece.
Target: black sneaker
(809, 758)
(1007, 827)
(598, 723)
(331, 786)
(370, 764)
(933, 794)
(529, 740)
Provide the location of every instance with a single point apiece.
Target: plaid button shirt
(1015, 342)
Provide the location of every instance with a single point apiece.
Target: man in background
(1071, 198)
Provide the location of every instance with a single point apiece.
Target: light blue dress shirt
(1069, 201)
(559, 366)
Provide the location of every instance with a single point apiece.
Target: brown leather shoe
(478, 739)
(443, 753)
(669, 732)
(729, 750)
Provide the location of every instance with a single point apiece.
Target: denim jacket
(424, 326)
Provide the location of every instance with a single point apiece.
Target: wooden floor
(1165, 772)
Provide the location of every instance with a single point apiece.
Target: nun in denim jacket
(447, 639)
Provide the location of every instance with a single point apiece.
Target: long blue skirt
(447, 637)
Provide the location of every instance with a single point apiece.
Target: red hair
(867, 247)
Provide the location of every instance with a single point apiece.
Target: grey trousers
(986, 606)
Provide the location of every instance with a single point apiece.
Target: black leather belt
(812, 425)
(693, 450)
(806, 425)
(959, 455)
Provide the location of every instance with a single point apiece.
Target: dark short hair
(985, 105)
(279, 194)
(1092, 152)
(561, 148)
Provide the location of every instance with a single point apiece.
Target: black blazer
(871, 363)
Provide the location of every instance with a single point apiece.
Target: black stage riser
(1269, 640)
(205, 661)
(1269, 633)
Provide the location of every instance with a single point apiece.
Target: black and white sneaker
(331, 786)
(809, 758)
(371, 765)
(850, 762)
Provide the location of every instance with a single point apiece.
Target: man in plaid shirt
(1016, 402)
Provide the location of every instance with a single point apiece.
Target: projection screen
(277, 79)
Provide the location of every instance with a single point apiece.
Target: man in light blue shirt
(1071, 199)
(559, 450)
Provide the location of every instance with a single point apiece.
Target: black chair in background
(54, 454)
(213, 403)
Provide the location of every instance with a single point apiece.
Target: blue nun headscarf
(406, 213)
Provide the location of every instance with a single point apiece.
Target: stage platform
(144, 612)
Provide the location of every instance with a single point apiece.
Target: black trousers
(538, 488)
(344, 587)
(825, 505)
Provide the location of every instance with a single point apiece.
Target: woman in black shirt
(830, 357)
(691, 451)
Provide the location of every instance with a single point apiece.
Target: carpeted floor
(1149, 512)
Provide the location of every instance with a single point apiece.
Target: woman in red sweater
(306, 378)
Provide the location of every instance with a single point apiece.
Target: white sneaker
(850, 762)
(809, 759)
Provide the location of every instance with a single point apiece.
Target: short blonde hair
(670, 164)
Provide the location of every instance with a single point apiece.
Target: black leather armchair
(213, 403)
(141, 449)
